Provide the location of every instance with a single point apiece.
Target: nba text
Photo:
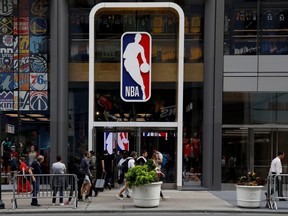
(132, 91)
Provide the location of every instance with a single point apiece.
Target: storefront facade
(232, 104)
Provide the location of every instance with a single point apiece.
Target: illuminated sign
(136, 66)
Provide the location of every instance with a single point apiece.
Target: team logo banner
(136, 66)
(114, 140)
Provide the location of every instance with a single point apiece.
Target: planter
(248, 196)
(147, 196)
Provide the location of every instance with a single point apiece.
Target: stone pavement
(178, 201)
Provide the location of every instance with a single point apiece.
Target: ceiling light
(35, 115)
(12, 115)
(43, 119)
(26, 119)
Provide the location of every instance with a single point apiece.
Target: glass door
(118, 139)
(247, 149)
(268, 142)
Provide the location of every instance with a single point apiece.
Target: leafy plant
(251, 180)
(141, 175)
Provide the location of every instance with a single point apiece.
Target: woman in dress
(23, 183)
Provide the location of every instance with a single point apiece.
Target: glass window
(162, 26)
(255, 27)
(273, 27)
(110, 28)
(24, 88)
(255, 108)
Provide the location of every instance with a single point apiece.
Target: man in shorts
(86, 182)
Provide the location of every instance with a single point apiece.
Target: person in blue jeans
(36, 169)
(58, 182)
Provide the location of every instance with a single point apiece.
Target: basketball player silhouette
(131, 62)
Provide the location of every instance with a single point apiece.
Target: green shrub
(141, 175)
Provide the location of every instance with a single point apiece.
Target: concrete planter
(147, 196)
(248, 196)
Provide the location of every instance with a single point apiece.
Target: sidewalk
(179, 201)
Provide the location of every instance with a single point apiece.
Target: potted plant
(144, 181)
(249, 189)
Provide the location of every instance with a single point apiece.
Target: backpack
(165, 160)
(140, 161)
(80, 172)
(124, 166)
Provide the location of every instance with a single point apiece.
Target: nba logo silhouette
(135, 66)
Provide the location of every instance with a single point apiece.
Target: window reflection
(258, 27)
(255, 108)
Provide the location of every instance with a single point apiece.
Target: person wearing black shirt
(107, 168)
(36, 169)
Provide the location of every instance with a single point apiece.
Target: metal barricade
(276, 189)
(48, 186)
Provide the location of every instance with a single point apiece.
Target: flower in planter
(251, 180)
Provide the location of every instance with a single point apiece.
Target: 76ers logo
(136, 66)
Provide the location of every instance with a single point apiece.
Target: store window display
(249, 23)
(24, 88)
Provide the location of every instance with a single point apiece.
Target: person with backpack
(126, 165)
(141, 160)
(121, 173)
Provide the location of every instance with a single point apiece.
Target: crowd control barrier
(276, 189)
(48, 183)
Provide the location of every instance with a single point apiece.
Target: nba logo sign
(135, 66)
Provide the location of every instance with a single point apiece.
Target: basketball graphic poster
(118, 140)
(38, 100)
(6, 100)
(136, 67)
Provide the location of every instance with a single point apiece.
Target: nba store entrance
(117, 139)
(152, 117)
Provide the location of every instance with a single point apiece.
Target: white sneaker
(118, 197)
(165, 197)
(61, 204)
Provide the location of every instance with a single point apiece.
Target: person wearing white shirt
(276, 168)
(58, 181)
(131, 163)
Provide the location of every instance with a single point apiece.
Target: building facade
(233, 99)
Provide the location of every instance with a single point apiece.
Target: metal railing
(277, 189)
(46, 186)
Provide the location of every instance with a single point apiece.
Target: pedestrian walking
(86, 182)
(276, 169)
(107, 167)
(155, 158)
(23, 182)
(75, 168)
(93, 171)
(130, 161)
(121, 174)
